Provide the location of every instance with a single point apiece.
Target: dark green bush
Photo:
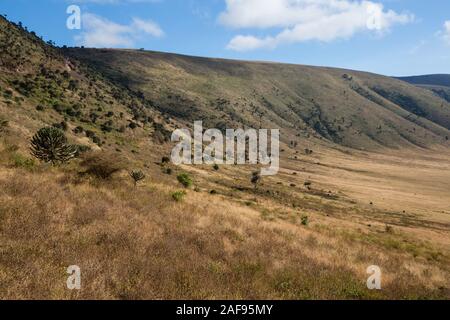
(165, 160)
(78, 130)
(178, 195)
(256, 178)
(185, 180)
(305, 220)
(61, 125)
(3, 124)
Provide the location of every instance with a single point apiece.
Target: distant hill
(431, 80)
(437, 83)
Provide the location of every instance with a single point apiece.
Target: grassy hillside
(349, 108)
(40, 86)
(309, 232)
(439, 84)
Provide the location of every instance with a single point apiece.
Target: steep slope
(40, 86)
(350, 108)
(439, 84)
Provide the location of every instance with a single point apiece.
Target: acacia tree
(50, 145)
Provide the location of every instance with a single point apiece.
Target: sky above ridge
(391, 37)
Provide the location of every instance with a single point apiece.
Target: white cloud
(148, 27)
(103, 33)
(446, 32)
(305, 20)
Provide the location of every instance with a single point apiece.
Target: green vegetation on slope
(350, 108)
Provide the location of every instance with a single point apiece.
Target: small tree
(50, 145)
(137, 175)
(165, 160)
(256, 178)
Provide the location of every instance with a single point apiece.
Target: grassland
(374, 192)
(139, 243)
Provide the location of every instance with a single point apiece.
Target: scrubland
(139, 243)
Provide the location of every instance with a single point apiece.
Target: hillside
(442, 80)
(204, 232)
(349, 108)
(439, 84)
(39, 85)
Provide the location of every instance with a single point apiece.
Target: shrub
(256, 178)
(78, 130)
(168, 171)
(50, 145)
(62, 125)
(165, 160)
(106, 127)
(3, 124)
(137, 175)
(185, 180)
(102, 165)
(8, 94)
(216, 167)
(305, 220)
(96, 140)
(178, 195)
(81, 149)
(389, 229)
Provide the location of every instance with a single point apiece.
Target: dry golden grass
(141, 244)
(388, 208)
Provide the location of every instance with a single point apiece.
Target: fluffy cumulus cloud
(305, 20)
(103, 33)
(446, 32)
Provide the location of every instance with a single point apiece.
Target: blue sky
(392, 37)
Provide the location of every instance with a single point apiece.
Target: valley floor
(389, 210)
